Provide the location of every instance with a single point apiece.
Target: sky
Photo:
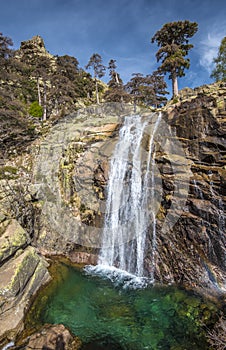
(118, 29)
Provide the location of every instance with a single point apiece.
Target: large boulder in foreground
(20, 278)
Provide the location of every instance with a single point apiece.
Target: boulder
(20, 278)
(51, 337)
(14, 237)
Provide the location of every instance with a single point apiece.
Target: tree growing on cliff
(116, 91)
(173, 40)
(113, 73)
(155, 90)
(149, 90)
(95, 62)
(219, 72)
(5, 53)
(135, 86)
(5, 43)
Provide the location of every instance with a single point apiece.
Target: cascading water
(130, 200)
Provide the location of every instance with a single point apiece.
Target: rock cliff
(195, 251)
(72, 171)
(63, 176)
(34, 47)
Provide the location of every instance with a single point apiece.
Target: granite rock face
(71, 175)
(70, 171)
(22, 272)
(34, 47)
(12, 239)
(195, 252)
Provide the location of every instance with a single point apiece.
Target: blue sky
(118, 29)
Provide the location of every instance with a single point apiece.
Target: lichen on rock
(13, 238)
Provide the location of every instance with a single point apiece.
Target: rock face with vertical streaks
(72, 173)
(195, 251)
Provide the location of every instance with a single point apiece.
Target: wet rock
(83, 258)
(51, 337)
(191, 219)
(70, 172)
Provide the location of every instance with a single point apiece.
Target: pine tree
(174, 46)
(5, 51)
(135, 86)
(149, 90)
(95, 62)
(116, 91)
(154, 90)
(219, 72)
(5, 54)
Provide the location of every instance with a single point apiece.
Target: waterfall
(217, 200)
(130, 198)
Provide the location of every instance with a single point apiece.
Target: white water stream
(130, 200)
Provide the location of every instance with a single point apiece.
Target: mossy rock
(17, 272)
(13, 238)
(8, 172)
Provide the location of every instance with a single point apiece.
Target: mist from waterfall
(130, 211)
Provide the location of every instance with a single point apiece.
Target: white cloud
(209, 49)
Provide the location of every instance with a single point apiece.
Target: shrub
(36, 110)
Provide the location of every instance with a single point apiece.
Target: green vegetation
(8, 172)
(36, 110)
(174, 46)
(219, 72)
(95, 62)
(36, 84)
(149, 90)
(116, 91)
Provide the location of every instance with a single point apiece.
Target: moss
(221, 105)
(175, 100)
(8, 172)
(15, 238)
(23, 271)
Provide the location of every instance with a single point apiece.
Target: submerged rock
(51, 337)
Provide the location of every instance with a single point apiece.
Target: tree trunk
(174, 84)
(97, 93)
(116, 78)
(39, 93)
(44, 104)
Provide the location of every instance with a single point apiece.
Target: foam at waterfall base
(118, 277)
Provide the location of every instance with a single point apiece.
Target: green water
(111, 317)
